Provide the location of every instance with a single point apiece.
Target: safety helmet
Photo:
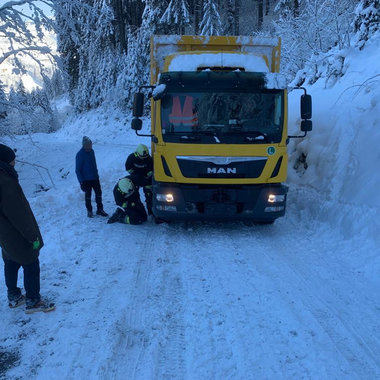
(126, 186)
(142, 151)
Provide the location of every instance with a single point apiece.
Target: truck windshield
(222, 117)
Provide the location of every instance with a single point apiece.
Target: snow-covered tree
(22, 32)
(177, 16)
(308, 36)
(284, 7)
(367, 20)
(55, 86)
(211, 24)
(229, 28)
(28, 112)
(3, 104)
(69, 17)
(85, 39)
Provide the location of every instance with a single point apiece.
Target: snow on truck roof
(266, 48)
(193, 61)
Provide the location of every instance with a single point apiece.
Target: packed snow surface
(192, 62)
(297, 299)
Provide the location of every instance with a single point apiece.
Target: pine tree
(367, 20)
(230, 18)
(237, 17)
(3, 104)
(139, 55)
(211, 24)
(177, 16)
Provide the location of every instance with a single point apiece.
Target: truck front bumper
(257, 203)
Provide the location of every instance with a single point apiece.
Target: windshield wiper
(210, 133)
(189, 138)
(256, 139)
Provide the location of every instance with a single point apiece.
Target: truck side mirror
(136, 124)
(138, 105)
(306, 125)
(306, 107)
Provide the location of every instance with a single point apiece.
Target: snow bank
(102, 125)
(342, 152)
(192, 62)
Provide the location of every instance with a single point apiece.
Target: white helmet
(126, 186)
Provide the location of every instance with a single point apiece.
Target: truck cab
(219, 129)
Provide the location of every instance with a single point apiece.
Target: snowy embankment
(299, 299)
(343, 152)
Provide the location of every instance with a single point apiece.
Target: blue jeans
(31, 279)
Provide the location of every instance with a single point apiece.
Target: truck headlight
(274, 198)
(165, 197)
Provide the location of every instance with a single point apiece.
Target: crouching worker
(140, 167)
(129, 210)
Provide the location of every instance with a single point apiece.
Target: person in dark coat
(20, 238)
(139, 165)
(129, 210)
(88, 177)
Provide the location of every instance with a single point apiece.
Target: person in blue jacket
(88, 177)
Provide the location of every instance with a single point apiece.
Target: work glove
(36, 244)
(82, 186)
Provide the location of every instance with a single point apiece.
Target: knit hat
(7, 154)
(86, 141)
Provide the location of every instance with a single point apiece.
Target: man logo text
(221, 170)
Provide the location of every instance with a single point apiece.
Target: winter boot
(16, 301)
(90, 214)
(116, 217)
(101, 212)
(33, 306)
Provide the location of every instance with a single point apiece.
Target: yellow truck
(218, 128)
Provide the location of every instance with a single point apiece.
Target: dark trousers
(148, 198)
(31, 279)
(87, 187)
(146, 184)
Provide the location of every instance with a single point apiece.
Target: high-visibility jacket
(185, 116)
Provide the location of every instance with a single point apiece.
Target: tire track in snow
(326, 299)
(129, 334)
(222, 349)
(171, 364)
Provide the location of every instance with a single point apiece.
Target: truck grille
(221, 167)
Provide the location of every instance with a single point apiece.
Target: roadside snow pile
(102, 125)
(340, 157)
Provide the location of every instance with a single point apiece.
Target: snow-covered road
(297, 299)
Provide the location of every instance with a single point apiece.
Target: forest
(103, 45)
